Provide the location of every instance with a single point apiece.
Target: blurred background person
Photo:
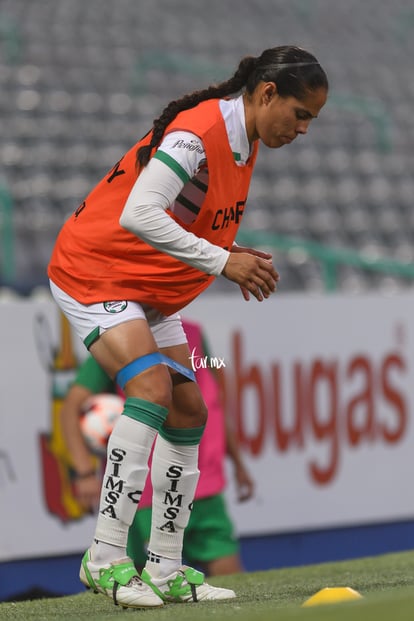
(209, 541)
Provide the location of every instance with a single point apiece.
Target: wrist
(79, 476)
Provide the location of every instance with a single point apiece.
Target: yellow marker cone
(332, 595)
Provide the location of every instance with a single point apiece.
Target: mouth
(286, 139)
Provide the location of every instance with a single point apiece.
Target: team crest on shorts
(115, 307)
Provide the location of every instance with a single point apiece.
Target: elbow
(125, 220)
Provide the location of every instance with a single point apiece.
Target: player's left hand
(257, 253)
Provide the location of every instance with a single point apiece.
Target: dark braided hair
(294, 70)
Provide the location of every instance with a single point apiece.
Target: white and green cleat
(185, 585)
(120, 582)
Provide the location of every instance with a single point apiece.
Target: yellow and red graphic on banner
(61, 363)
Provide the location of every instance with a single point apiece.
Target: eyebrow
(310, 115)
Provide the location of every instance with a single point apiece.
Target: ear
(268, 92)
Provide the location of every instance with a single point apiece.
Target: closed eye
(304, 115)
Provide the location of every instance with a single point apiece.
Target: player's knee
(197, 411)
(154, 385)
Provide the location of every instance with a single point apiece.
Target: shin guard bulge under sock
(174, 475)
(126, 469)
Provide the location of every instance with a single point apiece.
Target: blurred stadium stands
(80, 81)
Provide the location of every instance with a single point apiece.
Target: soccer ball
(99, 415)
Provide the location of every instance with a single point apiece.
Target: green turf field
(385, 582)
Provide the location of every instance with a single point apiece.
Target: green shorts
(208, 536)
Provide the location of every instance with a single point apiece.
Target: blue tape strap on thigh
(136, 367)
(178, 367)
(139, 365)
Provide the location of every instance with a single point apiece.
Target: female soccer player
(147, 240)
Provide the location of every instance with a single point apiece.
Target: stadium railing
(7, 264)
(329, 257)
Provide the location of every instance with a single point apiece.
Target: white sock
(126, 469)
(174, 475)
(103, 553)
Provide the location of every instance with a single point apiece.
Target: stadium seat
(82, 81)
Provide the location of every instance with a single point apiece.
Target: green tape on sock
(146, 412)
(188, 437)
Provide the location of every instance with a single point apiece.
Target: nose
(302, 126)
